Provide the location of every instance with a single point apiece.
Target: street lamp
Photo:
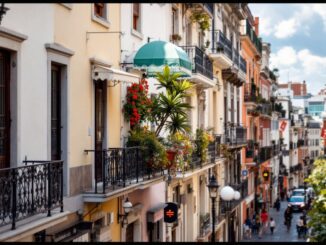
(228, 194)
(127, 207)
(213, 189)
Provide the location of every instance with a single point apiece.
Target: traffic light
(266, 175)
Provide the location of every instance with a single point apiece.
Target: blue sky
(297, 34)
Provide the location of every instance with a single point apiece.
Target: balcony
(29, 190)
(213, 153)
(202, 66)
(250, 95)
(265, 154)
(206, 7)
(120, 167)
(248, 34)
(265, 110)
(243, 65)
(235, 136)
(222, 50)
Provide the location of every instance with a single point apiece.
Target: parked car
(297, 203)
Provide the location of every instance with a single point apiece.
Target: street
(280, 232)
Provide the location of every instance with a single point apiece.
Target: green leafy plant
(225, 152)
(154, 151)
(317, 214)
(202, 19)
(181, 145)
(203, 138)
(169, 109)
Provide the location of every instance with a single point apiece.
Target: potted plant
(179, 150)
(138, 105)
(175, 37)
(154, 153)
(203, 138)
(202, 19)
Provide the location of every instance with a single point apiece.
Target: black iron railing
(253, 37)
(119, 167)
(265, 109)
(222, 45)
(276, 149)
(250, 149)
(243, 64)
(235, 58)
(34, 188)
(200, 61)
(265, 153)
(235, 135)
(250, 93)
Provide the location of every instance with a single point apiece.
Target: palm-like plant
(170, 109)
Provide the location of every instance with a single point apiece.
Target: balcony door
(55, 113)
(100, 108)
(4, 109)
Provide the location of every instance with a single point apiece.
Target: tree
(318, 212)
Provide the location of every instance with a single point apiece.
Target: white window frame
(102, 21)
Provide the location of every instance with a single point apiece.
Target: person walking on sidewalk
(264, 219)
(272, 225)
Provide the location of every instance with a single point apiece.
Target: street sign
(244, 172)
(170, 212)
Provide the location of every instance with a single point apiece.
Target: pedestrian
(264, 219)
(259, 226)
(277, 204)
(282, 195)
(288, 195)
(249, 225)
(300, 226)
(253, 226)
(246, 230)
(272, 225)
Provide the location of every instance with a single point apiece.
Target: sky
(297, 34)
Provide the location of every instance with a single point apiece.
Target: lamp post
(213, 188)
(127, 207)
(228, 194)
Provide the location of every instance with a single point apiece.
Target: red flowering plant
(137, 106)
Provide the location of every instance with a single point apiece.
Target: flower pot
(171, 157)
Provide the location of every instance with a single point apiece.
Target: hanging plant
(225, 152)
(137, 106)
(202, 19)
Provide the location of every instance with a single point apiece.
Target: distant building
(299, 89)
(316, 106)
(322, 91)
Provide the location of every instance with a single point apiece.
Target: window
(136, 16)
(99, 10)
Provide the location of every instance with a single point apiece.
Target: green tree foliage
(318, 212)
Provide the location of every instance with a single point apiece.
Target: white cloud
(286, 28)
(284, 57)
(320, 9)
(299, 65)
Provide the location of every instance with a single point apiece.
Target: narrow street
(280, 233)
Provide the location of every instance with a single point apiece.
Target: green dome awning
(155, 55)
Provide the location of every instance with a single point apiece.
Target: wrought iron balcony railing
(265, 153)
(235, 57)
(265, 109)
(250, 93)
(253, 37)
(222, 45)
(200, 61)
(235, 135)
(119, 167)
(243, 64)
(28, 190)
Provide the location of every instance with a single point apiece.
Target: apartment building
(57, 105)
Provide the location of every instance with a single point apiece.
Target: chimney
(257, 25)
